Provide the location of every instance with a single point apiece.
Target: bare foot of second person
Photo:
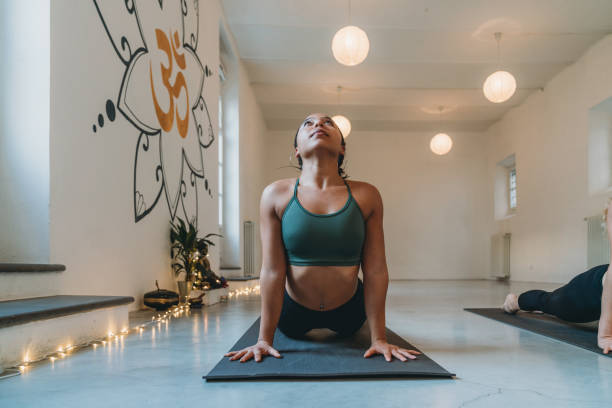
(511, 305)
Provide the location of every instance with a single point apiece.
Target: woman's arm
(271, 279)
(374, 267)
(273, 269)
(604, 332)
(376, 282)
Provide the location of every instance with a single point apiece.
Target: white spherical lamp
(343, 123)
(441, 144)
(350, 45)
(499, 86)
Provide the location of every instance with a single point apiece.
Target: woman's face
(316, 131)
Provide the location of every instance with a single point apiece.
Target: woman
(314, 240)
(585, 299)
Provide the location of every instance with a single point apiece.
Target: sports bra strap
(297, 180)
(348, 188)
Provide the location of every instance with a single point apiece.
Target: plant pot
(184, 288)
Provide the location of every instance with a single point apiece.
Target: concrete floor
(496, 365)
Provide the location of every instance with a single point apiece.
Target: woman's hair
(341, 171)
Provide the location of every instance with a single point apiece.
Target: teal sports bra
(323, 239)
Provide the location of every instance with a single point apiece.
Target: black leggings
(579, 301)
(295, 319)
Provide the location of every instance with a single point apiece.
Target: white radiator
(500, 255)
(598, 246)
(249, 248)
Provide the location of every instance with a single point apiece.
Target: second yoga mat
(323, 355)
(545, 325)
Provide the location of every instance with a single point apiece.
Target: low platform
(28, 267)
(242, 278)
(22, 311)
(35, 327)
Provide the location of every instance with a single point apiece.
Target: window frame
(220, 161)
(512, 188)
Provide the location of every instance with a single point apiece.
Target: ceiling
(424, 54)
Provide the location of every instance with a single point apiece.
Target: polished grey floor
(496, 365)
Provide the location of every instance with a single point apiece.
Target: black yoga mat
(546, 325)
(323, 355)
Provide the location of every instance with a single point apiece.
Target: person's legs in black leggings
(348, 318)
(295, 319)
(579, 301)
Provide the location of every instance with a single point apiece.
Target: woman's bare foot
(511, 304)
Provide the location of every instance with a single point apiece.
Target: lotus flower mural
(160, 94)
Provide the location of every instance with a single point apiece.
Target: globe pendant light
(500, 85)
(342, 121)
(441, 144)
(350, 44)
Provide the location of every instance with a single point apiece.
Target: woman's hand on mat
(388, 350)
(605, 343)
(261, 348)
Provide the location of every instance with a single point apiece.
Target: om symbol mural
(161, 96)
(166, 119)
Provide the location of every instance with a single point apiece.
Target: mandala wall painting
(161, 96)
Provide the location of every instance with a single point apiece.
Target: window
(228, 137)
(512, 188)
(505, 188)
(25, 83)
(600, 148)
(220, 140)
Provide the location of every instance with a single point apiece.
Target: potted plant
(205, 278)
(188, 253)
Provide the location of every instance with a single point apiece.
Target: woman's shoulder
(366, 195)
(277, 194)
(280, 186)
(363, 186)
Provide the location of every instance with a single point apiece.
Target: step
(28, 267)
(13, 312)
(27, 280)
(242, 278)
(32, 328)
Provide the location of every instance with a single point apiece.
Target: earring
(291, 160)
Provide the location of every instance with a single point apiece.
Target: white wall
(244, 152)
(253, 133)
(433, 205)
(92, 222)
(549, 134)
(24, 132)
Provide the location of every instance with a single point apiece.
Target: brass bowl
(161, 299)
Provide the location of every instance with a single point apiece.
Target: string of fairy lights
(65, 350)
(244, 291)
